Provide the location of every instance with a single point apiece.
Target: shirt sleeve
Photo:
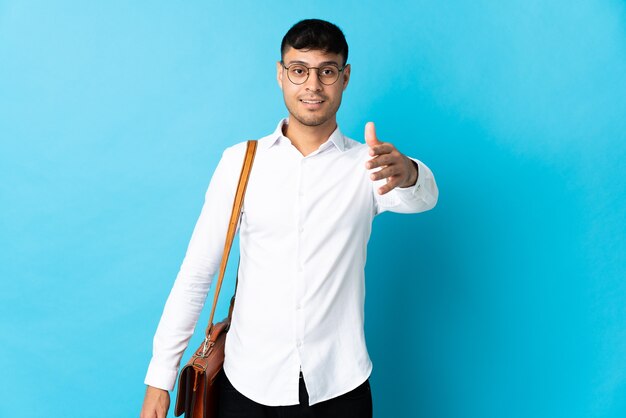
(193, 281)
(420, 197)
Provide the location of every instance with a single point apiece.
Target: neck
(307, 139)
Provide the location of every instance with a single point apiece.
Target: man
(296, 346)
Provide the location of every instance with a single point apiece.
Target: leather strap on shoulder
(234, 219)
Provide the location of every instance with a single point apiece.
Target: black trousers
(354, 404)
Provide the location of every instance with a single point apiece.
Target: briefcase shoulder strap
(232, 226)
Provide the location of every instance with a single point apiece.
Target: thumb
(370, 135)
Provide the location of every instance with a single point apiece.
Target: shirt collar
(336, 138)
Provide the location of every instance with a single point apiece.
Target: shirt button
(298, 306)
(301, 229)
(299, 343)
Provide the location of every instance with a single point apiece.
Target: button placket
(300, 276)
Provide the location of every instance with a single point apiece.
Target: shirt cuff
(160, 377)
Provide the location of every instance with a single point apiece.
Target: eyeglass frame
(308, 72)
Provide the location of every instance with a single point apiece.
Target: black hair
(316, 34)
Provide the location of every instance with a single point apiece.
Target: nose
(313, 83)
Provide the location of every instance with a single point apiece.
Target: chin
(311, 119)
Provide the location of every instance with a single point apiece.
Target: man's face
(312, 103)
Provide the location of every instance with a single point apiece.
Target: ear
(346, 75)
(279, 74)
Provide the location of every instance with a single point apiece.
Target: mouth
(312, 104)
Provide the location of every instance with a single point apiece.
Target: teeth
(312, 102)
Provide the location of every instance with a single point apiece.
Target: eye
(329, 71)
(297, 70)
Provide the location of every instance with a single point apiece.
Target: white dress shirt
(303, 238)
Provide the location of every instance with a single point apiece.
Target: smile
(312, 101)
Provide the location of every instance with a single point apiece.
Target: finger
(381, 160)
(370, 135)
(385, 173)
(392, 183)
(386, 188)
(382, 148)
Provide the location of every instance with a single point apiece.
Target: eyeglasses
(299, 73)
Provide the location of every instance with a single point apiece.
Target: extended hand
(398, 169)
(156, 403)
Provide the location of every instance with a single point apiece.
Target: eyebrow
(321, 64)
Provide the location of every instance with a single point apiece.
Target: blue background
(507, 300)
